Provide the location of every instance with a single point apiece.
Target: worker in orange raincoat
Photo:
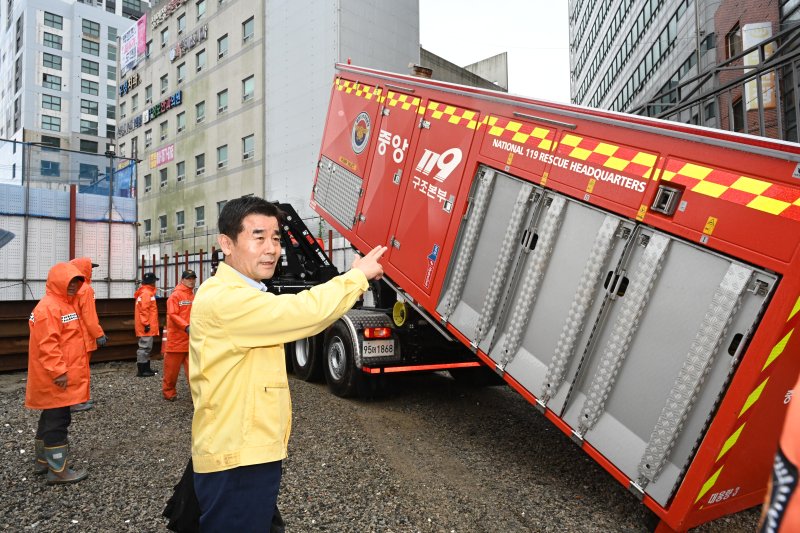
(146, 323)
(58, 371)
(84, 302)
(781, 512)
(179, 308)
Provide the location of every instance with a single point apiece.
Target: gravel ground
(428, 456)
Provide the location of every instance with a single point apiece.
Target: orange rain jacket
(57, 346)
(84, 303)
(179, 307)
(146, 311)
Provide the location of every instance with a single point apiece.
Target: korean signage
(133, 45)
(162, 155)
(163, 14)
(129, 84)
(180, 49)
(150, 113)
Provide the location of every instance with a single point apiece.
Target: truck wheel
(338, 362)
(304, 357)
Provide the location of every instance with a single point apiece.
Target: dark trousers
(53, 426)
(241, 499)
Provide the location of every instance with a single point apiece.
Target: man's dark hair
(234, 212)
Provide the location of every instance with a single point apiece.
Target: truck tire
(304, 358)
(338, 362)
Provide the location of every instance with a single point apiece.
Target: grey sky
(535, 33)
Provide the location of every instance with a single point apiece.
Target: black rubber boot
(58, 472)
(144, 370)
(40, 462)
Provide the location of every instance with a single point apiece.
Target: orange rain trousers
(173, 361)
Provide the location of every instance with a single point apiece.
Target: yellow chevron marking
(753, 398)
(606, 149)
(777, 350)
(795, 310)
(709, 189)
(769, 205)
(580, 153)
(644, 159)
(750, 185)
(695, 171)
(731, 441)
(708, 484)
(571, 140)
(616, 163)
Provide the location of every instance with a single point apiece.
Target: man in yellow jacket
(242, 411)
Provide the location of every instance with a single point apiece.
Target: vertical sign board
(387, 174)
(430, 191)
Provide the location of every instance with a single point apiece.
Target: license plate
(377, 348)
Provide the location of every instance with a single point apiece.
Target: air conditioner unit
(147, 234)
(163, 231)
(148, 101)
(163, 184)
(179, 227)
(199, 68)
(147, 189)
(147, 145)
(247, 97)
(199, 224)
(222, 164)
(180, 80)
(201, 118)
(181, 177)
(200, 171)
(247, 155)
(222, 109)
(222, 54)
(181, 128)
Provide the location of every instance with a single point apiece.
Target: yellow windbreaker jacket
(237, 367)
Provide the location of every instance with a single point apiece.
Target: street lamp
(111, 151)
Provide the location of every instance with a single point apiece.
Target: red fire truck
(636, 280)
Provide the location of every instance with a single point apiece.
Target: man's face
(257, 249)
(189, 282)
(74, 285)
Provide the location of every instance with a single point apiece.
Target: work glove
(101, 341)
(147, 329)
(187, 330)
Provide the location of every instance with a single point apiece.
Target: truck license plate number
(373, 348)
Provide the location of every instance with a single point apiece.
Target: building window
(200, 216)
(50, 81)
(162, 223)
(222, 156)
(222, 46)
(179, 220)
(164, 37)
(89, 127)
(163, 130)
(111, 92)
(148, 183)
(54, 21)
(248, 88)
(181, 23)
(181, 121)
(148, 226)
(164, 83)
(163, 177)
(201, 59)
(90, 87)
(738, 116)
(89, 146)
(181, 71)
(200, 111)
(733, 41)
(222, 101)
(134, 102)
(248, 27)
(50, 168)
(180, 169)
(87, 172)
(111, 111)
(112, 72)
(51, 61)
(123, 110)
(148, 94)
(221, 206)
(112, 34)
(248, 147)
(111, 131)
(148, 48)
(90, 47)
(91, 28)
(90, 67)
(112, 52)
(199, 164)
(89, 107)
(148, 138)
(55, 142)
(51, 102)
(201, 8)
(51, 123)
(52, 40)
